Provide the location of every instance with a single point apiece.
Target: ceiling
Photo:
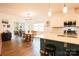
(19, 9)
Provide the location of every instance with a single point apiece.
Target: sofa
(6, 36)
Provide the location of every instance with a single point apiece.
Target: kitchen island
(62, 43)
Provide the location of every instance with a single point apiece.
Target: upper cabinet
(77, 22)
(56, 21)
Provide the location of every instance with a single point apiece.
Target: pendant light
(49, 10)
(65, 9)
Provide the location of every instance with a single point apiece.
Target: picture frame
(8, 26)
(4, 25)
(5, 22)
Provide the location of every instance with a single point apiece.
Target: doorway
(19, 28)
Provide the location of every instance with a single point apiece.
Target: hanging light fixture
(49, 10)
(65, 9)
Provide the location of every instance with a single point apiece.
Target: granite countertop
(56, 37)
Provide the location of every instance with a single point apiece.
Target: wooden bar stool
(50, 50)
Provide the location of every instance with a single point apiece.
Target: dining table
(28, 36)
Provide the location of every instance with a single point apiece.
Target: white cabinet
(57, 22)
(77, 22)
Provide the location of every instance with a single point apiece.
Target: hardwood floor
(19, 47)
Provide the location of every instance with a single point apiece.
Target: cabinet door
(74, 49)
(41, 44)
(73, 46)
(59, 47)
(57, 21)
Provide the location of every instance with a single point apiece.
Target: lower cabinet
(59, 46)
(60, 49)
(73, 46)
(74, 49)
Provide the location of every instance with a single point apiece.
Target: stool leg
(54, 52)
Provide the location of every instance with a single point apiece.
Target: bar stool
(50, 50)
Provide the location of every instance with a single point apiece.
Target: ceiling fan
(28, 16)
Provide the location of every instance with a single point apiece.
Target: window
(39, 27)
